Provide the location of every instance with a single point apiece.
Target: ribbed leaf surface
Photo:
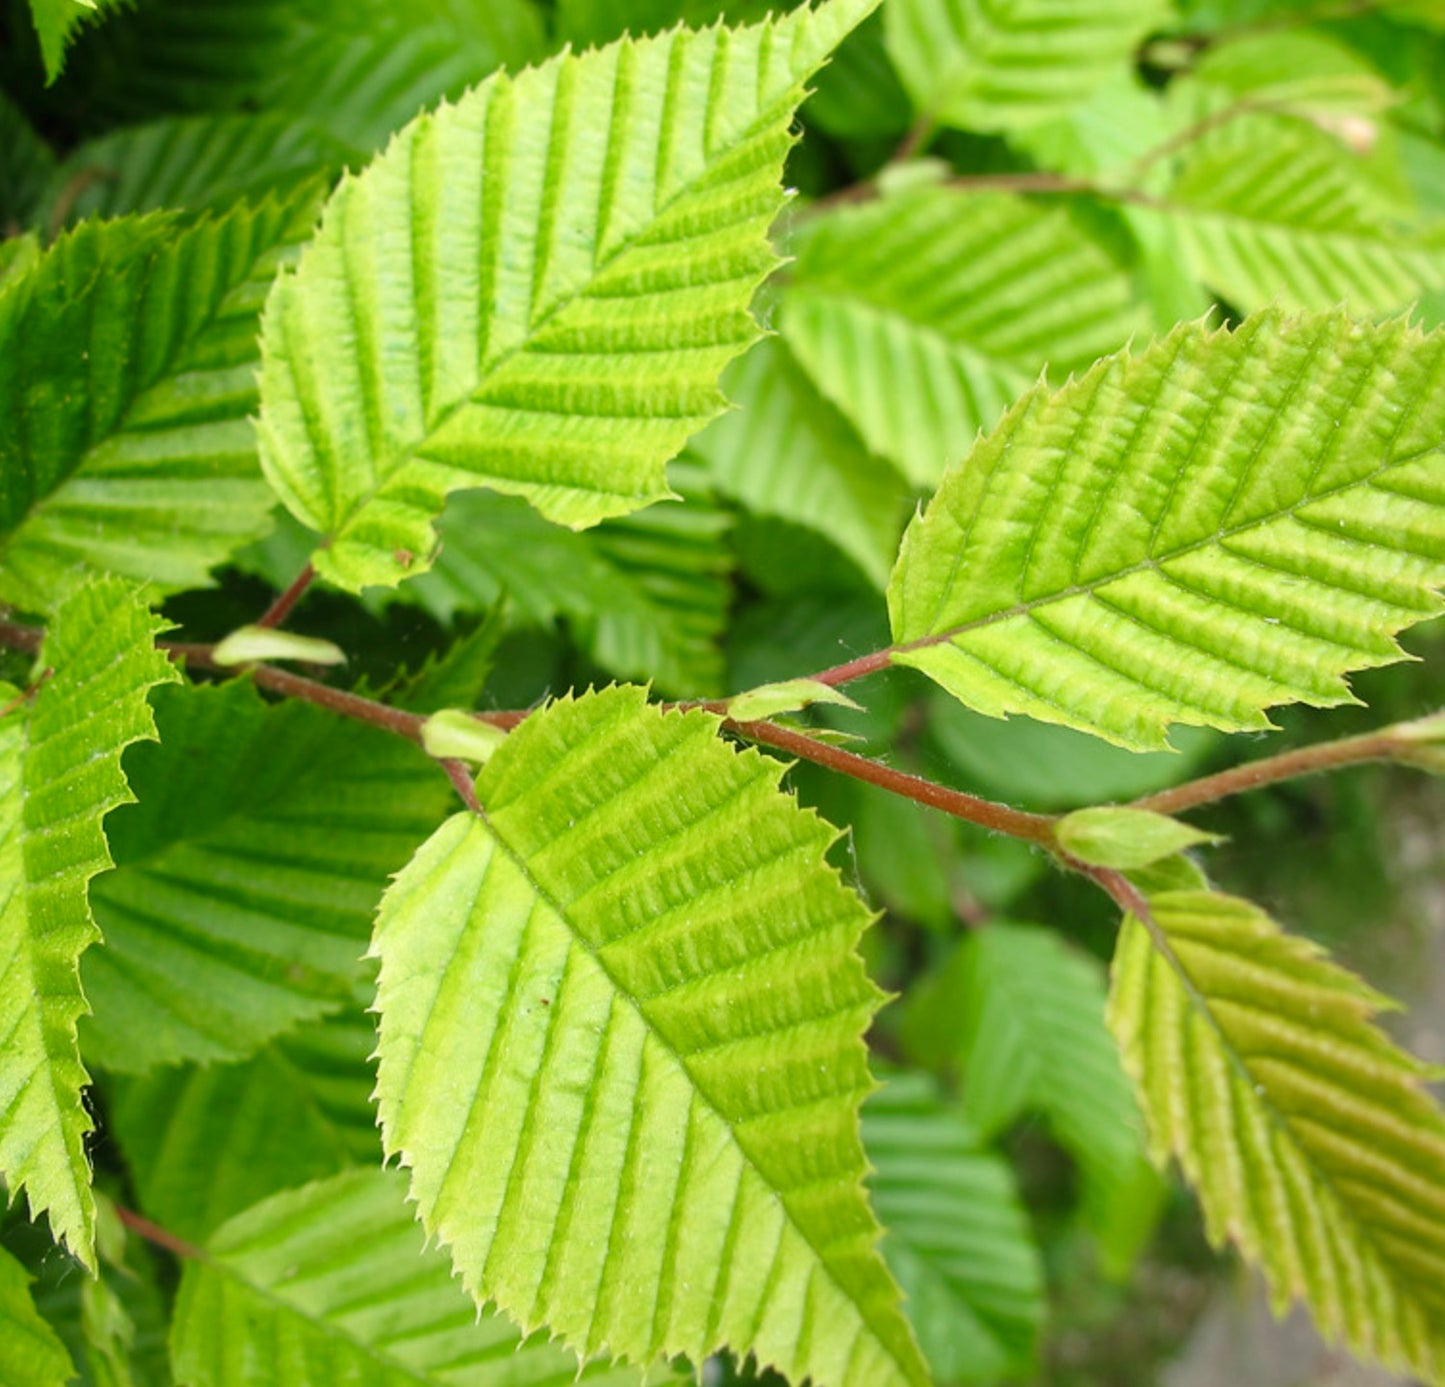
(958, 1237)
(32, 1354)
(1309, 1136)
(924, 315)
(645, 595)
(1021, 1016)
(333, 1283)
(128, 357)
(1226, 521)
(203, 1143)
(533, 290)
(621, 1051)
(247, 875)
(207, 161)
(1277, 212)
(359, 69)
(1007, 64)
(59, 777)
(786, 452)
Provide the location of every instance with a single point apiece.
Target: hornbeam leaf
(333, 1283)
(247, 876)
(924, 315)
(479, 311)
(130, 355)
(621, 1051)
(33, 1353)
(1309, 1136)
(786, 452)
(1226, 521)
(984, 65)
(60, 776)
(56, 22)
(1275, 211)
(958, 1237)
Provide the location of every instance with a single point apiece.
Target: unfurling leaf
(478, 310)
(788, 696)
(248, 644)
(454, 732)
(60, 776)
(621, 1051)
(1226, 521)
(1117, 836)
(1309, 1136)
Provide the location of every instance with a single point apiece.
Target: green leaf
(26, 164)
(646, 595)
(786, 696)
(205, 1142)
(1120, 837)
(454, 732)
(476, 311)
(923, 315)
(1047, 767)
(354, 70)
(1226, 521)
(130, 352)
(34, 1355)
(958, 1237)
(60, 776)
(1021, 1015)
(1275, 211)
(201, 162)
(56, 22)
(786, 452)
(334, 1283)
(1005, 66)
(621, 1051)
(1309, 1136)
(248, 874)
(858, 95)
(248, 644)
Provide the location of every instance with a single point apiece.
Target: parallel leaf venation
(1311, 1139)
(640, 971)
(534, 289)
(1226, 521)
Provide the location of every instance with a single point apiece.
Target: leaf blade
(60, 765)
(1245, 517)
(724, 1230)
(547, 327)
(1310, 1138)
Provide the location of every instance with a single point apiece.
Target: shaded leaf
(924, 315)
(958, 1237)
(334, 1283)
(1007, 64)
(248, 874)
(129, 355)
(33, 1354)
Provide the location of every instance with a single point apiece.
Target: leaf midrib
(1155, 563)
(1258, 1091)
(581, 940)
(409, 455)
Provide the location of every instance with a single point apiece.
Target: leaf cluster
(453, 457)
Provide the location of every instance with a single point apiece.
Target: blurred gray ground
(1238, 1343)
